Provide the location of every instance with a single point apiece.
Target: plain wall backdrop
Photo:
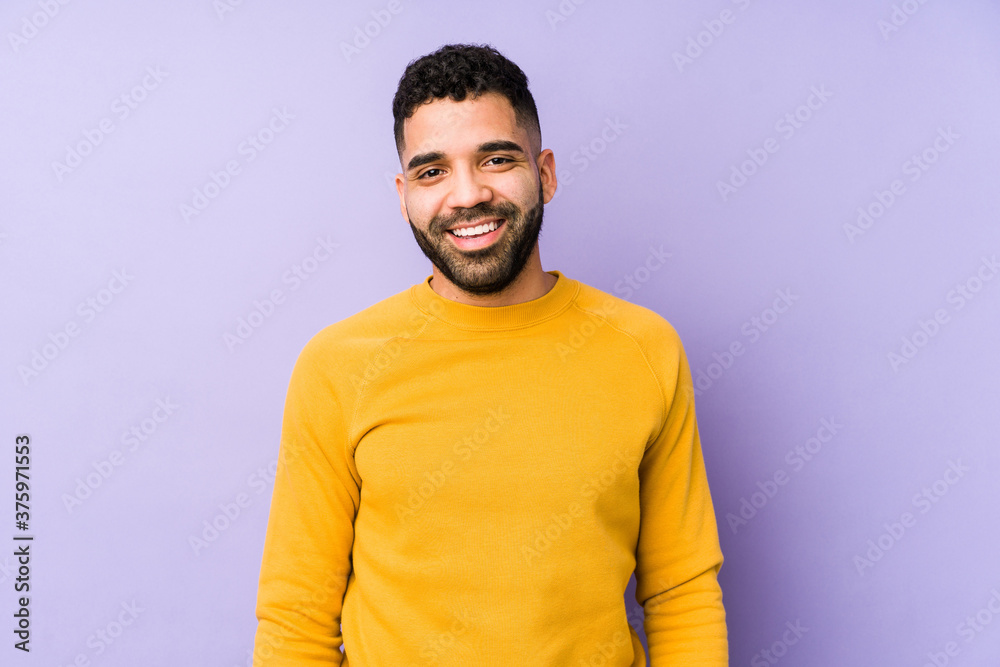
(190, 190)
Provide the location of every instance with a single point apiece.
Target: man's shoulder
(646, 326)
(367, 329)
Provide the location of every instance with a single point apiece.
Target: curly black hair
(457, 70)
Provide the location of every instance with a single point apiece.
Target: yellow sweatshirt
(465, 485)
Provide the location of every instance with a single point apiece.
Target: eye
(502, 160)
(427, 172)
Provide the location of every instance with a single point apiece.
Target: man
(471, 469)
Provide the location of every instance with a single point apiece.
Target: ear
(547, 174)
(401, 190)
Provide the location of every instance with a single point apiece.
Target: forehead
(445, 123)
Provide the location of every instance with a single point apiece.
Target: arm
(678, 555)
(310, 530)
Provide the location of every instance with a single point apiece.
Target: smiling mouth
(475, 231)
(478, 237)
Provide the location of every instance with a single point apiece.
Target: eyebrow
(487, 147)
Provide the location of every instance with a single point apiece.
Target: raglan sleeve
(310, 530)
(678, 555)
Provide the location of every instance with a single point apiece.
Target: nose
(468, 189)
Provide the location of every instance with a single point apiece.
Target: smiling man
(471, 470)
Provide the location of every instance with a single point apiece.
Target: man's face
(465, 164)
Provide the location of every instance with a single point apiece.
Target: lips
(472, 225)
(480, 241)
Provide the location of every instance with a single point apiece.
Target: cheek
(421, 209)
(524, 191)
(525, 197)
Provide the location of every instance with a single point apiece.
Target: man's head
(458, 71)
(469, 145)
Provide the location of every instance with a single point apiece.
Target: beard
(488, 270)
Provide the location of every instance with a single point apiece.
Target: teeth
(473, 231)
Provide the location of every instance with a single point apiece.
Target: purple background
(681, 127)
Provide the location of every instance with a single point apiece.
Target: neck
(530, 284)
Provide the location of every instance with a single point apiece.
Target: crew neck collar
(514, 316)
